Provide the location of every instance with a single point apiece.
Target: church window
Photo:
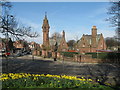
(101, 44)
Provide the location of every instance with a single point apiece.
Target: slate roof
(52, 40)
(89, 38)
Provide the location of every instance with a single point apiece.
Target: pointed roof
(45, 21)
(89, 38)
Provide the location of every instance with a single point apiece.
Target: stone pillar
(43, 53)
(38, 53)
(53, 55)
(75, 57)
(58, 55)
(35, 52)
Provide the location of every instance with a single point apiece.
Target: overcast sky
(76, 18)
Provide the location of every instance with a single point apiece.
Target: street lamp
(33, 52)
(55, 50)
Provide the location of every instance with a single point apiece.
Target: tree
(10, 26)
(114, 19)
(113, 40)
(56, 34)
(71, 44)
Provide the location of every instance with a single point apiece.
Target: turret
(45, 25)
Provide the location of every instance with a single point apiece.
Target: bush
(69, 54)
(106, 55)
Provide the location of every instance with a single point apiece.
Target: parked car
(19, 54)
(3, 53)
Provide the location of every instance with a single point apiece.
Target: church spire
(45, 22)
(46, 15)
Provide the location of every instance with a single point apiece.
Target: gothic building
(48, 42)
(91, 43)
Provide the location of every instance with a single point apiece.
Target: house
(91, 43)
(21, 45)
(35, 48)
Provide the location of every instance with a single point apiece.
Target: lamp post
(55, 50)
(33, 52)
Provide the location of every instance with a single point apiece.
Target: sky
(75, 18)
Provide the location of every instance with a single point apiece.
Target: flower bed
(26, 80)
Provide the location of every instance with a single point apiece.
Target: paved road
(25, 64)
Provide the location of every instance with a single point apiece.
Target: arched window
(101, 45)
(83, 44)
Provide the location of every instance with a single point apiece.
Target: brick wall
(81, 58)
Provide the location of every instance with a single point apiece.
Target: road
(39, 65)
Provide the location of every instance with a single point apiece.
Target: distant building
(21, 45)
(91, 43)
(6, 44)
(62, 45)
(34, 45)
(2, 44)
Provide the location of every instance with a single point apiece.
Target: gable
(87, 40)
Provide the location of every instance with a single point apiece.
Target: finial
(45, 14)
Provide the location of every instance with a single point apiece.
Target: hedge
(69, 54)
(105, 55)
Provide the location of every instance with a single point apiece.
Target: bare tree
(114, 12)
(10, 26)
(56, 34)
(71, 44)
(113, 40)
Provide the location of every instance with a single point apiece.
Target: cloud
(107, 33)
(36, 28)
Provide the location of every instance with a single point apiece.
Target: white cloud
(107, 33)
(36, 28)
